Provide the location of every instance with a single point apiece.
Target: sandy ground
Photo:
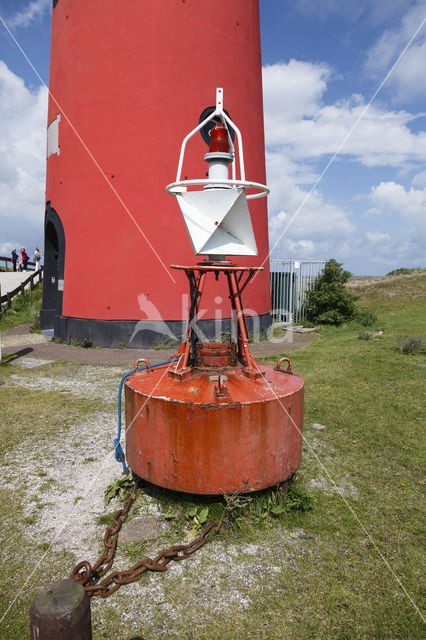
(362, 282)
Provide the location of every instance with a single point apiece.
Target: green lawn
(25, 310)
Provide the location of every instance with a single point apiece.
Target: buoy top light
(181, 186)
(219, 139)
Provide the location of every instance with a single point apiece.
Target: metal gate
(290, 279)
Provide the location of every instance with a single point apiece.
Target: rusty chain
(90, 576)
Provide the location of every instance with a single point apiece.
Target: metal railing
(290, 280)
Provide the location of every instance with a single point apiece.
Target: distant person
(37, 258)
(14, 258)
(24, 259)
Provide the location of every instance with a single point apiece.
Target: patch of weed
(106, 519)
(364, 335)
(409, 344)
(25, 310)
(119, 487)
(23, 423)
(365, 317)
(165, 343)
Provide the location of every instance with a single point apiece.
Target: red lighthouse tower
(127, 81)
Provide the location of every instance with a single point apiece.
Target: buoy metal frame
(236, 283)
(180, 186)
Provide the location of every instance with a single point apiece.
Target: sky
(344, 88)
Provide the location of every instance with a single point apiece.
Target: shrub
(298, 500)
(329, 302)
(402, 271)
(364, 317)
(364, 335)
(409, 344)
(35, 325)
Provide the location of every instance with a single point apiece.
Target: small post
(22, 288)
(9, 300)
(61, 612)
(32, 282)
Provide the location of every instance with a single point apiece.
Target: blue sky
(347, 178)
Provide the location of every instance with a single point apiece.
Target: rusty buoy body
(215, 421)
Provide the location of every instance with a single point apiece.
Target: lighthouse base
(145, 334)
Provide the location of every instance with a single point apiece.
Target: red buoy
(216, 421)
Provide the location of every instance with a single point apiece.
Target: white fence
(290, 279)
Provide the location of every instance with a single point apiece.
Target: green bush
(329, 302)
(364, 335)
(25, 309)
(365, 317)
(35, 324)
(402, 271)
(409, 344)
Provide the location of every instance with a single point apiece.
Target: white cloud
(23, 116)
(386, 251)
(376, 237)
(294, 89)
(419, 179)
(407, 247)
(283, 175)
(407, 80)
(297, 118)
(301, 131)
(318, 230)
(33, 11)
(409, 204)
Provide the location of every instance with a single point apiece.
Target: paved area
(23, 344)
(29, 363)
(9, 280)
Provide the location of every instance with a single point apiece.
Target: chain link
(95, 579)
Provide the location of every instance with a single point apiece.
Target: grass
(333, 571)
(166, 343)
(25, 310)
(36, 419)
(20, 563)
(403, 271)
(36, 416)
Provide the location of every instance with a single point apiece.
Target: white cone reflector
(218, 222)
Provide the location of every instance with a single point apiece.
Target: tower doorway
(54, 266)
